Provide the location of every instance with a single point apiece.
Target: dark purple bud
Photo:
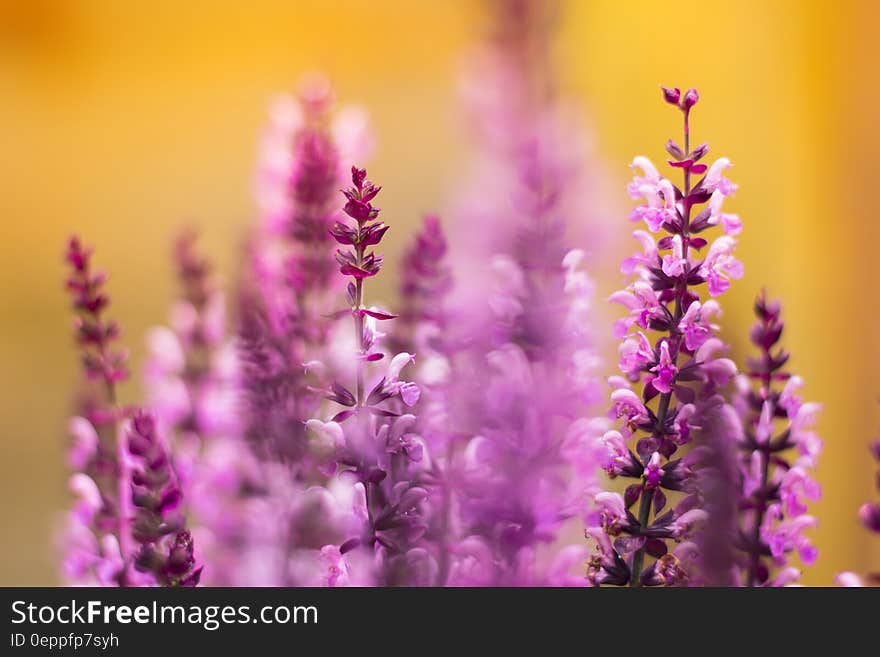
(672, 95)
(359, 211)
(373, 234)
(869, 514)
(343, 234)
(358, 176)
(690, 99)
(341, 395)
(699, 152)
(674, 150)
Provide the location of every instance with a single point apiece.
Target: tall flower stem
(679, 370)
(674, 337)
(96, 335)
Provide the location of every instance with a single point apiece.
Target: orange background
(121, 121)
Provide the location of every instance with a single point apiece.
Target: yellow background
(122, 120)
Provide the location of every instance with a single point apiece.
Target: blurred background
(124, 121)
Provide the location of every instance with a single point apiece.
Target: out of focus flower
(777, 452)
(96, 537)
(158, 527)
(289, 281)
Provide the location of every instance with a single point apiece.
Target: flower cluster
(680, 370)
(774, 488)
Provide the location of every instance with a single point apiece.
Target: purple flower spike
(680, 369)
(166, 548)
(94, 334)
(96, 539)
(774, 487)
(290, 281)
(373, 438)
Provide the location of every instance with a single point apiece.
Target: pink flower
(715, 179)
(642, 302)
(611, 512)
(684, 524)
(648, 257)
(409, 392)
(627, 404)
(653, 471)
(665, 370)
(764, 426)
(648, 180)
(675, 264)
(84, 446)
(797, 485)
(783, 536)
(337, 571)
(720, 265)
(718, 371)
(730, 223)
(614, 454)
(682, 424)
(695, 323)
(635, 354)
(849, 580)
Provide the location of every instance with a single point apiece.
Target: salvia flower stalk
(374, 441)
(165, 546)
(97, 535)
(125, 481)
(679, 370)
(423, 327)
(290, 276)
(522, 371)
(191, 373)
(191, 383)
(774, 486)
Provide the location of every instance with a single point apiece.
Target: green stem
(639, 557)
